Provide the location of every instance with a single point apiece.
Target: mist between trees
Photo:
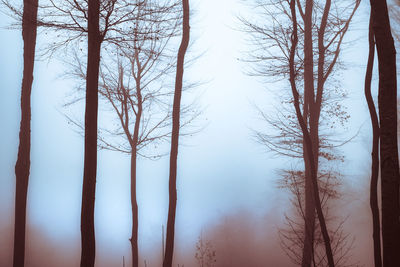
(180, 169)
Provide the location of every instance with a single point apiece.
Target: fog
(227, 182)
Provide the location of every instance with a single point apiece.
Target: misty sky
(224, 175)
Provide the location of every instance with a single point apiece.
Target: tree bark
(376, 227)
(22, 166)
(169, 250)
(90, 158)
(387, 102)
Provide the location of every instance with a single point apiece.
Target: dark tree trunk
(90, 158)
(387, 102)
(135, 215)
(169, 249)
(22, 166)
(376, 227)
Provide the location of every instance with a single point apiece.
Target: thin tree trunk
(169, 250)
(309, 214)
(90, 159)
(317, 200)
(135, 215)
(376, 227)
(135, 224)
(22, 166)
(307, 139)
(387, 102)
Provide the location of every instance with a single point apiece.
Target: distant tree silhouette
(22, 167)
(387, 104)
(292, 233)
(205, 253)
(326, 24)
(169, 248)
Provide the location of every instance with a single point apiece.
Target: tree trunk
(135, 224)
(90, 158)
(169, 250)
(376, 227)
(309, 225)
(387, 102)
(22, 166)
(309, 213)
(135, 215)
(309, 204)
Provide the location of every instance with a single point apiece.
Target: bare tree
(135, 105)
(169, 250)
(22, 167)
(308, 142)
(324, 23)
(387, 103)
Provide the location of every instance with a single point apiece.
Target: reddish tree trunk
(169, 249)
(376, 227)
(90, 158)
(387, 102)
(22, 166)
